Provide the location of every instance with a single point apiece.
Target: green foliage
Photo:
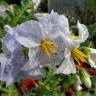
(19, 14)
(82, 93)
(92, 31)
(49, 86)
(16, 15)
(92, 91)
(88, 16)
(43, 7)
(69, 80)
(7, 90)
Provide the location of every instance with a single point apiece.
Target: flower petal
(12, 60)
(10, 45)
(33, 61)
(28, 73)
(67, 66)
(83, 32)
(4, 74)
(53, 24)
(28, 33)
(68, 42)
(64, 25)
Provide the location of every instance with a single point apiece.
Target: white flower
(14, 65)
(41, 38)
(72, 44)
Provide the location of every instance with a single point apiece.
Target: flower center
(78, 55)
(48, 47)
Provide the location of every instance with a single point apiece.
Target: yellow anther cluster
(73, 37)
(78, 55)
(48, 47)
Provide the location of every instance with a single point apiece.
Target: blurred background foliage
(88, 16)
(17, 14)
(43, 6)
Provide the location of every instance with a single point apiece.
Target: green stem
(3, 90)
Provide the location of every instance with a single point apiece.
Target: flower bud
(78, 83)
(85, 78)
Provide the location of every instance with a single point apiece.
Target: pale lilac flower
(71, 50)
(13, 62)
(42, 38)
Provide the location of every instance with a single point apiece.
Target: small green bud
(85, 78)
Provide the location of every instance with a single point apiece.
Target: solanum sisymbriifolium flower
(50, 42)
(71, 53)
(14, 65)
(42, 37)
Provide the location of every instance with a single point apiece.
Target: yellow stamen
(78, 55)
(48, 47)
(45, 50)
(73, 37)
(75, 58)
